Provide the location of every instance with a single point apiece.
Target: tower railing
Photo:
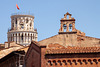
(22, 13)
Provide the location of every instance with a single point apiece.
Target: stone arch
(79, 60)
(89, 60)
(84, 60)
(67, 16)
(54, 61)
(49, 62)
(64, 61)
(69, 61)
(74, 61)
(95, 60)
(59, 61)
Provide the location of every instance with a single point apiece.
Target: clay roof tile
(73, 50)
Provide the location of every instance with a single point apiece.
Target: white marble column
(17, 37)
(24, 37)
(20, 38)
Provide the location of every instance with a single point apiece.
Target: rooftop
(73, 50)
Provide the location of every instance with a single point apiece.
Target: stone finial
(65, 15)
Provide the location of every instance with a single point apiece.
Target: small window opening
(70, 27)
(26, 20)
(30, 24)
(67, 16)
(16, 21)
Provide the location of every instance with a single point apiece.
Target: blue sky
(48, 14)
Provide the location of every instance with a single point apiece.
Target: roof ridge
(48, 38)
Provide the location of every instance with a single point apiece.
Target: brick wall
(33, 60)
(73, 60)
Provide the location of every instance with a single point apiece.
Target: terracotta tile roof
(24, 49)
(55, 46)
(37, 43)
(5, 52)
(73, 50)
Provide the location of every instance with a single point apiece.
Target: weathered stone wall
(85, 41)
(62, 39)
(71, 40)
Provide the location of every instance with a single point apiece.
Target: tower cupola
(22, 29)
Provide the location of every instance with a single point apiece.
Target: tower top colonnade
(22, 29)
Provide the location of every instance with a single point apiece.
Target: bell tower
(67, 24)
(22, 29)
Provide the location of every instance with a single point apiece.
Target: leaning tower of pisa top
(22, 29)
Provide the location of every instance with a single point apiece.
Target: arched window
(64, 27)
(30, 24)
(16, 21)
(67, 16)
(70, 27)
